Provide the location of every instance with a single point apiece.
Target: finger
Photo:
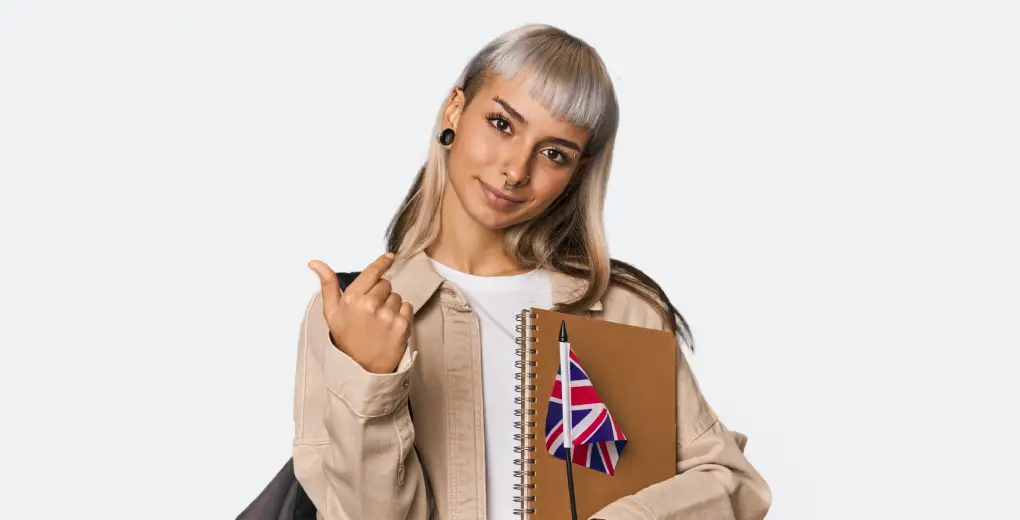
(328, 283)
(380, 292)
(393, 302)
(371, 275)
(403, 320)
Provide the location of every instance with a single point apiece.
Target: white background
(827, 191)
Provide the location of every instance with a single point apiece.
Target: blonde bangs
(563, 74)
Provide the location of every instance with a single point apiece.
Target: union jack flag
(598, 440)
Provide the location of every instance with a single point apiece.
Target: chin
(493, 220)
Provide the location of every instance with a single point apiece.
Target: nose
(515, 169)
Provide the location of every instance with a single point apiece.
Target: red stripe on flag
(582, 395)
(593, 427)
(580, 454)
(552, 438)
(606, 461)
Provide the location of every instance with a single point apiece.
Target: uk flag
(598, 440)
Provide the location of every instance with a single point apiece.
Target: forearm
(715, 481)
(370, 467)
(353, 439)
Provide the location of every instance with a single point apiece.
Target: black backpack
(284, 498)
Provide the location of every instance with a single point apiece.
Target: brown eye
(499, 122)
(556, 156)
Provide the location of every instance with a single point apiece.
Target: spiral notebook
(624, 413)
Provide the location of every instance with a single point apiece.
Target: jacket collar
(415, 280)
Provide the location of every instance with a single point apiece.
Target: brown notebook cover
(633, 371)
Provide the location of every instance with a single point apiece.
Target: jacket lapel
(415, 280)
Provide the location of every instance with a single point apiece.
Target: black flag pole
(568, 423)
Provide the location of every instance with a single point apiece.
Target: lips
(497, 199)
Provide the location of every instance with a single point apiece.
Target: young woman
(505, 214)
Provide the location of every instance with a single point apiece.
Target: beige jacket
(360, 456)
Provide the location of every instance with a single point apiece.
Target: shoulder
(624, 304)
(313, 323)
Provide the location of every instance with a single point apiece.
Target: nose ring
(516, 184)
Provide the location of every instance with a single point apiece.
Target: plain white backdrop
(827, 191)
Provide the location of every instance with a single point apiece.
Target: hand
(368, 321)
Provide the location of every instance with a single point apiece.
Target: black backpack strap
(345, 279)
(278, 497)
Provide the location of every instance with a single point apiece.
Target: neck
(467, 246)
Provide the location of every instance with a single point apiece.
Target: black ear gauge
(446, 136)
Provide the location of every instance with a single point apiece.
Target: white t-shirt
(497, 300)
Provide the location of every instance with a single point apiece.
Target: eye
(555, 156)
(500, 123)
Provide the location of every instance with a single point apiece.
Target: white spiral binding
(525, 410)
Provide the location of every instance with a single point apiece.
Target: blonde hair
(567, 76)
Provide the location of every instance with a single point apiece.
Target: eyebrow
(520, 119)
(565, 143)
(513, 112)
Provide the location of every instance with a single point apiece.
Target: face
(505, 136)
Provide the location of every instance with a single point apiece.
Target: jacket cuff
(626, 508)
(366, 393)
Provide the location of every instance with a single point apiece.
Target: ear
(454, 108)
